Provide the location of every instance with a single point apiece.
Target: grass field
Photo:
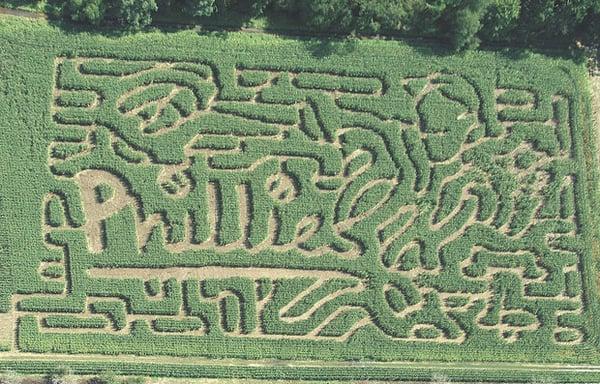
(240, 205)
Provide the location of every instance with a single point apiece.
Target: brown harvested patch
(7, 331)
(96, 212)
(203, 273)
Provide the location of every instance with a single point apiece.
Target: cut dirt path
(595, 88)
(595, 82)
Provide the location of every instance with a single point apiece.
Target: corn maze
(259, 203)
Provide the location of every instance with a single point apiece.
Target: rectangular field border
(354, 370)
(583, 149)
(350, 371)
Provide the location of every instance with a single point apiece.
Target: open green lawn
(234, 205)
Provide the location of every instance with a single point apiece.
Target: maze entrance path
(209, 203)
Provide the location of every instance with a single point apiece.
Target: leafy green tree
(130, 14)
(500, 20)
(202, 7)
(135, 14)
(85, 11)
(384, 15)
(328, 14)
(357, 16)
(464, 22)
(259, 6)
(590, 31)
(549, 19)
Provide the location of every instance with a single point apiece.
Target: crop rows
(465, 231)
(257, 207)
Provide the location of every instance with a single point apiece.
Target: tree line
(463, 23)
